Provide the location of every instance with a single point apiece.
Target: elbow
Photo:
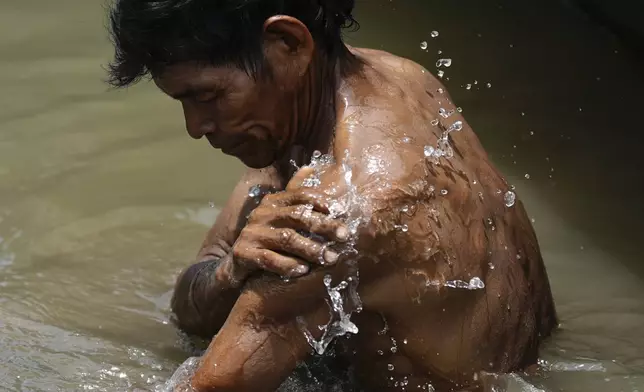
(185, 313)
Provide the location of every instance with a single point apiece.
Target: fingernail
(330, 256)
(300, 270)
(342, 233)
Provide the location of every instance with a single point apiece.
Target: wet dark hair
(149, 35)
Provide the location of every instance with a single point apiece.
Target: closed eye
(208, 96)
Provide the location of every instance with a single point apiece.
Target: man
(409, 238)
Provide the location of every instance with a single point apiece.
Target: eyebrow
(191, 93)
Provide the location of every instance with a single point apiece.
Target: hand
(276, 238)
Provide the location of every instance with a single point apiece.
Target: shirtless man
(449, 266)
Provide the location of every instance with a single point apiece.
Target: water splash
(340, 320)
(179, 382)
(571, 366)
(443, 148)
(343, 300)
(474, 284)
(425, 281)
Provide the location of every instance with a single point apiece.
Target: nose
(198, 123)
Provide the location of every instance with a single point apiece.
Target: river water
(104, 197)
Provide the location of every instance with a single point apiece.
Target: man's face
(245, 118)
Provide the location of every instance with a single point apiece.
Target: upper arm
(232, 218)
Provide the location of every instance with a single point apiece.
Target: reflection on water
(103, 198)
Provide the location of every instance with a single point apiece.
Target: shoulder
(397, 65)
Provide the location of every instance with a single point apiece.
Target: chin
(258, 161)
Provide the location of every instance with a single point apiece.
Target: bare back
(462, 227)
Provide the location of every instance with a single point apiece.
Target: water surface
(104, 197)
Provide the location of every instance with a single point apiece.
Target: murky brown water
(103, 196)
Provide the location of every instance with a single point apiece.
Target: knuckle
(287, 237)
(301, 212)
(238, 252)
(266, 261)
(271, 199)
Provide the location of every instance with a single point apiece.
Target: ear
(288, 46)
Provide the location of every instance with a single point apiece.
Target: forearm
(253, 351)
(202, 298)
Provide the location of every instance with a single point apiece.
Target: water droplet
(476, 283)
(444, 63)
(316, 154)
(440, 91)
(457, 126)
(255, 191)
(406, 140)
(404, 341)
(404, 228)
(527, 176)
(468, 86)
(440, 52)
(489, 85)
(380, 352)
(459, 109)
(531, 133)
(522, 114)
(211, 204)
(532, 220)
(423, 45)
(509, 198)
(390, 367)
(429, 151)
(476, 82)
(434, 122)
(444, 192)
(518, 257)
(491, 266)
(441, 74)
(434, 34)
(444, 113)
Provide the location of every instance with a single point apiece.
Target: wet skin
(458, 227)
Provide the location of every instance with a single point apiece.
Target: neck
(313, 122)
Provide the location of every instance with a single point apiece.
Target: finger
(291, 242)
(303, 217)
(298, 179)
(268, 260)
(306, 196)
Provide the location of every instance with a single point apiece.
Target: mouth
(229, 149)
(234, 149)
